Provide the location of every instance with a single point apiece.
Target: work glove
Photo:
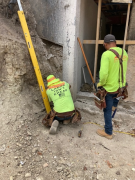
(99, 85)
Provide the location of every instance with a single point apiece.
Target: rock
(39, 178)
(3, 148)
(28, 175)
(55, 157)
(29, 133)
(118, 172)
(59, 169)
(15, 157)
(133, 169)
(68, 176)
(18, 144)
(45, 165)
(68, 164)
(11, 177)
(34, 150)
(50, 56)
(22, 163)
(99, 176)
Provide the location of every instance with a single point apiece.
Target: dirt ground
(28, 152)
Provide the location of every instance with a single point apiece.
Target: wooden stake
(111, 29)
(127, 21)
(97, 38)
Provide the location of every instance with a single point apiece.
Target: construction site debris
(79, 133)
(45, 165)
(87, 88)
(109, 164)
(84, 168)
(104, 146)
(133, 169)
(118, 172)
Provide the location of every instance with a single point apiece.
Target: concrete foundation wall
(49, 18)
(58, 21)
(131, 73)
(70, 48)
(131, 60)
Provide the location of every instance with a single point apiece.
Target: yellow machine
(33, 57)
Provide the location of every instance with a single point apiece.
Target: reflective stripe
(57, 85)
(51, 79)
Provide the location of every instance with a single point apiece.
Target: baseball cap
(109, 38)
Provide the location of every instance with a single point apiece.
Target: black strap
(121, 63)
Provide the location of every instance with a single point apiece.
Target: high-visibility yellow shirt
(61, 97)
(109, 70)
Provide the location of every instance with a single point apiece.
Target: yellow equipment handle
(34, 60)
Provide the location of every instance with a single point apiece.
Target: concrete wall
(131, 60)
(70, 48)
(58, 21)
(49, 18)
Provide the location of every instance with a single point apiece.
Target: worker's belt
(116, 92)
(101, 93)
(65, 114)
(74, 115)
(121, 92)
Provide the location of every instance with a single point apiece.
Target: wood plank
(97, 38)
(127, 42)
(127, 21)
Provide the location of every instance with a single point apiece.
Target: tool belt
(123, 93)
(101, 93)
(75, 115)
(100, 100)
(66, 114)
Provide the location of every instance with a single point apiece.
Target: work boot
(104, 134)
(54, 127)
(65, 122)
(113, 108)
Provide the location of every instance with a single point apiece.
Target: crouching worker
(63, 111)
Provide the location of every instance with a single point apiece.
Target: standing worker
(63, 111)
(112, 79)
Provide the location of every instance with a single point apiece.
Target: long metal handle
(19, 4)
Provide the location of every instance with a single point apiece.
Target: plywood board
(122, 1)
(128, 42)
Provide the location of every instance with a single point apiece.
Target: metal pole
(84, 74)
(127, 21)
(97, 38)
(19, 4)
